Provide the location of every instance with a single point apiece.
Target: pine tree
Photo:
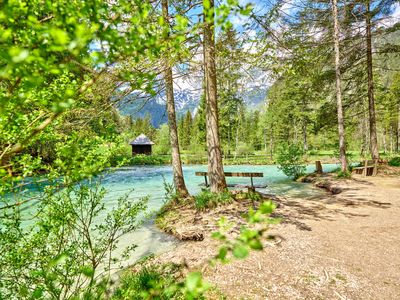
(342, 143)
(179, 180)
(215, 167)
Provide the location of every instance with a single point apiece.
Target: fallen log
(329, 186)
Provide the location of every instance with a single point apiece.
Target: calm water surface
(148, 181)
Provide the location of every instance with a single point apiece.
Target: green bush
(171, 194)
(142, 159)
(208, 199)
(290, 159)
(152, 282)
(395, 161)
(70, 244)
(244, 148)
(341, 174)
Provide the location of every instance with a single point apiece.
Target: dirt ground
(344, 246)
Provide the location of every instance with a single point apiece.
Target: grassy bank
(257, 158)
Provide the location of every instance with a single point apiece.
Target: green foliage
(162, 142)
(343, 175)
(395, 161)
(289, 159)
(185, 130)
(143, 125)
(161, 282)
(142, 159)
(207, 199)
(69, 244)
(249, 238)
(151, 282)
(170, 192)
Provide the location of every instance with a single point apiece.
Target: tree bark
(391, 139)
(341, 131)
(215, 166)
(237, 136)
(305, 143)
(179, 180)
(371, 101)
(384, 139)
(271, 146)
(398, 131)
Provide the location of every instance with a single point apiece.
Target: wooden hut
(141, 145)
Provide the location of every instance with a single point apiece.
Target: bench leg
(205, 179)
(365, 171)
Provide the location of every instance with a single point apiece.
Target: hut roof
(141, 140)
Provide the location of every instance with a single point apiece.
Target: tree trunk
(391, 139)
(237, 137)
(398, 131)
(342, 143)
(215, 167)
(371, 101)
(271, 144)
(179, 181)
(305, 143)
(265, 140)
(384, 139)
(229, 139)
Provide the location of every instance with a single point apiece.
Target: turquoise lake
(148, 181)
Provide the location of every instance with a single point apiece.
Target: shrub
(244, 148)
(151, 282)
(142, 159)
(170, 194)
(290, 159)
(395, 162)
(341, 174)
(69, 250)
(208, 199)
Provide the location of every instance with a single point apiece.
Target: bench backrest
(234, 174)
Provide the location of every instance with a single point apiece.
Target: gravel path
(344, 246)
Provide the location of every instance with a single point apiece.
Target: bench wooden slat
(251, 187)
(367, 168)
(362, 168)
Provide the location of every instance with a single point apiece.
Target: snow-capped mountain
(185, 100)
(187, 91)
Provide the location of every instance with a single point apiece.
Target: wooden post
(318, 167)
(205, 179)
(365, 168)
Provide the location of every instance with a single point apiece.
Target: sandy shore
(344, 246)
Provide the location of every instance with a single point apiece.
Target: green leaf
(267, 207)
(255, 244)
(60, 37)
(59, 259)
(87, 271)
(223, 251)
(193, 280)
(18, 54)
(218, 236)
(240, 251)
(37, 293)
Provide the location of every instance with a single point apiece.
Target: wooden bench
(368, 168)
(251, 187)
